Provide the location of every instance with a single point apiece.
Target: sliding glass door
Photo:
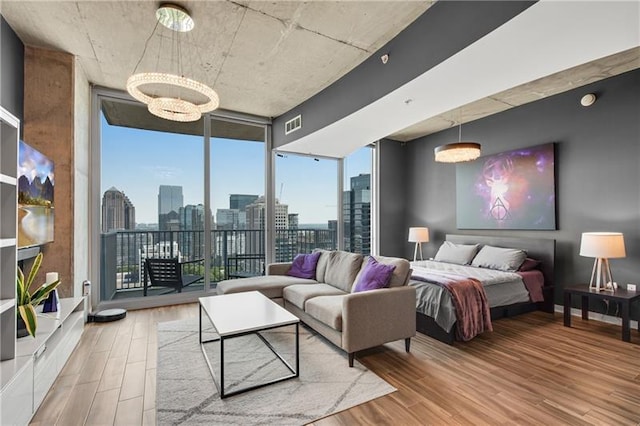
(151, 190)
(187, 195)
(237, 188)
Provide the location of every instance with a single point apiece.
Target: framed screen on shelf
(35, 197)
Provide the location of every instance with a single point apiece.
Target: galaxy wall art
(509, 190)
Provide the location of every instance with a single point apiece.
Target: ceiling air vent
(292, 125)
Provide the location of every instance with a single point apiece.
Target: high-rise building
(256, 214)
(294, 220)
(255, 226)
(241, 201)
(357, 215)
(192, 217)
(117, 211)
(227, 219)
(191, 237)
(170, 201)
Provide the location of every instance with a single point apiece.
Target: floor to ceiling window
(151, 190)
(162, 185)
(237, 199)
(356, 201)
(198, 194)
(306, 205)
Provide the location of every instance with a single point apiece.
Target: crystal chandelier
(170, 95)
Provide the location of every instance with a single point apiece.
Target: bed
(507, 295)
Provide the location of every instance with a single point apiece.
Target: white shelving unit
(26, 379)
(9, 137)
(30, 365)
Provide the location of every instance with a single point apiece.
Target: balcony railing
(234, 254)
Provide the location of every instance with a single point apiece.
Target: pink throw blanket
(472, 309)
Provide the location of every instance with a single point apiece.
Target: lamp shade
(418, 235)
(606, 245)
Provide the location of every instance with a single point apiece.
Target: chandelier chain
(146, 44)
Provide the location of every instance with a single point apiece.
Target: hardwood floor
(530, 370)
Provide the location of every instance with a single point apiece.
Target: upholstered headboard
(541, 249)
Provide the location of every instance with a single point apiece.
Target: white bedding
(502, 288)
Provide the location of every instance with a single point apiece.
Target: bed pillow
(529, 264)
(502, 259)
(304, 265)
(374, 275)
(461, 254)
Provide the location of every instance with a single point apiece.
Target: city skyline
(138, 161)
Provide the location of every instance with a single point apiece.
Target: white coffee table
(239, 314)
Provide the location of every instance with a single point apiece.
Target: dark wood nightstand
(621, 295)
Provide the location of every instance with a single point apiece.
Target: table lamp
(418, 235)
(603, 246)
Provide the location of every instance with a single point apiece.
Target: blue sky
(33, 164)
(138, 161)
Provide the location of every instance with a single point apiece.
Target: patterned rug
(186, 394)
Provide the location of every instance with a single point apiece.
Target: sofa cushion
(304, 266)
(373, 276)
(299, 294)
(342, 269)
(269, 285)
(326, 309)
(321, 267)
(400, 275)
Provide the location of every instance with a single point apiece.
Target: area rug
(186, 394)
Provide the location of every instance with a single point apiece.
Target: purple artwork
(510, 190)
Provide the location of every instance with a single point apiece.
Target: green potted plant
(26, 301)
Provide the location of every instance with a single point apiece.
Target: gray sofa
(351, 321)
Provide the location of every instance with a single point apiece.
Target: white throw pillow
(502, 259)
(460, 254)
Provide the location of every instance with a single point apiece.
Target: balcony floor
(156, 291)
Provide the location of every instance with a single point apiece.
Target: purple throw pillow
(375, 275)
(304, 265)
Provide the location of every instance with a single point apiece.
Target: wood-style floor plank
(103, 409)
(531, 370)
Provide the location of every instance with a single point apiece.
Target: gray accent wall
(443, 30)
(597, 177)
(11, 71)
(392, 177)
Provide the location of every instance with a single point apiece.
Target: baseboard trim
(597, 316)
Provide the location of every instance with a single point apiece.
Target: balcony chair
(166, 273)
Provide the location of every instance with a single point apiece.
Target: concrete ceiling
(262, 57)
(266, 57)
